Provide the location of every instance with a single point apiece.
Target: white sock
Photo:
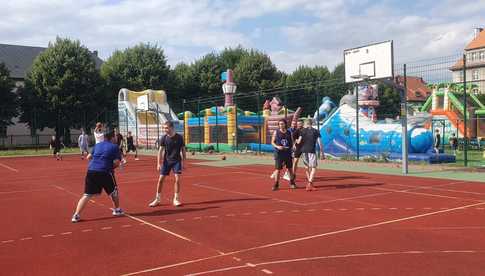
(158, 196)
(176, 196)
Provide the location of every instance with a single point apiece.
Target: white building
(475, 63)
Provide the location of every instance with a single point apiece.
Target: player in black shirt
(172, 152)
(130, 146)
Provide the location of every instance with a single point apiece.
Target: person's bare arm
(161, 152)
(320, 144)
(116, 163)
(89, 157)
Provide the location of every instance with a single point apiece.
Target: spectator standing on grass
(82, 142)
(104, 158)
(55, 145)
(454, 143)
(437, 141)
(130, 146)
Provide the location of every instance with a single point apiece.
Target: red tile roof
(418, 90)
(478, 42)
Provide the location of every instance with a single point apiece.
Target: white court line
(371, 254)
(267, 271)
(305, 238)
(24, 191)
(8, 167)
(160, 228)
(425, 194)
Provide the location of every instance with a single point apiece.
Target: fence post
(146, 129)
(136, 126)
(183, 119)
(258, 102)
(404, 119)
(317, 97)
(357, 120)
(217, 127)
(465, 112)
(158, 128)
(200, 131)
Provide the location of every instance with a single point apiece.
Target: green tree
(62, 85)
(306, 86)
(8, 99)
(390, 102)
(229, 58)
(184, 85)
(207, 72)
(141, 67)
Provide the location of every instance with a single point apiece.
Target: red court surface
(231, 223)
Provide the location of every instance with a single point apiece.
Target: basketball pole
(404, 120)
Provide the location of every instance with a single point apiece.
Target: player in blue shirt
(104, 158)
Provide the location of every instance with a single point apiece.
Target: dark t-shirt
(129, 140)
(56, 144)
(309, 138)
(294, 135)
(283, 139)
(119, 139)
(437, 141)
(453, 141)
(173, 147)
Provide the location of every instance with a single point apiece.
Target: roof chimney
(476, 32)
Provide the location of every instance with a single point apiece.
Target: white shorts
(310, 159)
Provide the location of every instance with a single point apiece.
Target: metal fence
(249, 123)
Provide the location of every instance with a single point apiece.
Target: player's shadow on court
(349, 186)
(337, 178)
(225, 201)
(165, 212)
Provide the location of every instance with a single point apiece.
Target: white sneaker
(286, 176)
(75, 218)
(136, 159)
(118, 212)
(155, 202)
(176, 202)
(272, 176)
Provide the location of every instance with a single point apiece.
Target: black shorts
(131, 147)
(97, 181)
(283, 161)
(297, 153)
(56, 150)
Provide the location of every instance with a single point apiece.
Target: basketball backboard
(142, 102)
(374, 61)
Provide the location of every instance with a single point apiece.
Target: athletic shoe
(75, 218)
(136, 159)
(155, 202)
(293, 186)
(276, 187)
(286, 176)
(176, 202)
(308, 187)
(118, 212)
(272, 176)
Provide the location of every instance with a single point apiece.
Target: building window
(482, 55)
(418, 94)
(460, 78)
(475, 75)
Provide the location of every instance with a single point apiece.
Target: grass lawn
(41, 151)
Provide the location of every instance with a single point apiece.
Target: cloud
(311, 32)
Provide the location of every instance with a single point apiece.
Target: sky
(291, 32)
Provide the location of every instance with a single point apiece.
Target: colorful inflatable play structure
(143, 113)
(376, 138)
(446, 104)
